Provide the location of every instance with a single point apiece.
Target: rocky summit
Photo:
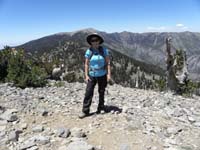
(47, 119)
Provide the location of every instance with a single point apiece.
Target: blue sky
(25, 20)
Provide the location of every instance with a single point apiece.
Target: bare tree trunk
(137, 77)
(171, 78)
(177, 72)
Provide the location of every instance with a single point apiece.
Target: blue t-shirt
(97, 62)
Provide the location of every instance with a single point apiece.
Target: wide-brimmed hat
(89, 37)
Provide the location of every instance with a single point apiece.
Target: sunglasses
(94, 40)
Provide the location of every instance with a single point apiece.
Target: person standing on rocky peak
(97, 70)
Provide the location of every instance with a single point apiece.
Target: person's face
(95, 41)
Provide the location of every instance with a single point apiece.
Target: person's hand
(110, 80)
(108, 77)
(87, 78)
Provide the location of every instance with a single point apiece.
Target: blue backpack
(101, 52)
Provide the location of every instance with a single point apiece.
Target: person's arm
(86, 69)
(108, 68)
(87, 55)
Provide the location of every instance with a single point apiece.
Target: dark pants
(102, 83)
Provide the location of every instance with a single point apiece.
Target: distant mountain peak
(86, 30)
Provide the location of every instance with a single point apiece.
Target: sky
(25, 20)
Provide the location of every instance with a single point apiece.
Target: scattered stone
(197, 124)
(3, 139)
(38, 128)
(178, 112)
(2, 134)
(99, 147)
(79, 145)
(44, 112)
(41, 139)
(3, 122)
(62, 132)
(191, 119)
(2, 128)
(9, 117)
(62, 148)
(134, 125)
(13, 136)
(187, 147)
(24, 126)
(2, 109)
(154, 148)
(41, 97)
(169, 142)
(78, 133)
(148, 103)
(33, 148)
(124, 147)
(125, 109)
(11, 111)
(27, 144)
(173, 130)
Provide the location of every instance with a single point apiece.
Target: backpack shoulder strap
(91, 53)
(101, 51)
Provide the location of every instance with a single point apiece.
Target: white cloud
(185, 28)
(3, 44)
(179, 25)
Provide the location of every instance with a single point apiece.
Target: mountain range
(145, 48)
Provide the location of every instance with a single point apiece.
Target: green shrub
(23, 73)
(59, 84)
(160, 83)
(37, 77)
(189, 88)
(4, 58)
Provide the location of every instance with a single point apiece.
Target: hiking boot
(83, 115)
(101, 110)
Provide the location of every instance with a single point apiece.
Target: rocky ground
(46, 119)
